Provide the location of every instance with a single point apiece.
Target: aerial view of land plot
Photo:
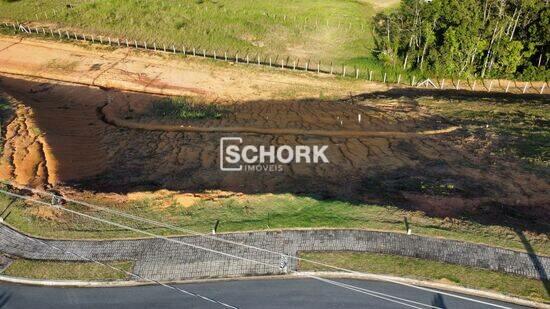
(344, 154)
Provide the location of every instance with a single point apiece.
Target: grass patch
(184, 108)
(257, 212)
(36, 269)
(523, 129)
(5, 114)
(430, 270)
(320, 30)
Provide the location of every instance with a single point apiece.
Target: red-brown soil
(444, 173)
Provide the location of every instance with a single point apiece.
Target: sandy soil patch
(163, 73)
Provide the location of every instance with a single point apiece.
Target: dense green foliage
(486, 38)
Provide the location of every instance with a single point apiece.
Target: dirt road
(127, 69)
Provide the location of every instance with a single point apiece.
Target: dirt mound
(304, 117)
(52, 139)
(23, 158)
(449, 174)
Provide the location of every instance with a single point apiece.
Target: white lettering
(320, 154)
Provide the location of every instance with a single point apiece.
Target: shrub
(182, 108)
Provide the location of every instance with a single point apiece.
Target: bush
(182, 108)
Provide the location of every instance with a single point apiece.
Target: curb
(431, 285)
(296, 275)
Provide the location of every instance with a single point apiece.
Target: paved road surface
(296, 293)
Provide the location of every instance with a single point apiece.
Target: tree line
(466, 38)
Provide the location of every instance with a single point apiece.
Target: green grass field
(318, 30)
(522, 127)
(258, 212)
(35, 269)
(430, 270)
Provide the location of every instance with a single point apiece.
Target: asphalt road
(295, 293)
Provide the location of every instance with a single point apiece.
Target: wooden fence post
(474, 85)
(145, 44)
(331, 68)
(164, 47)
(344, 70)
(507, 87)
(155, 46)
(458, 85)
(490, 86)
(399, 79)
(413, 80)
(525, 87)
(384, 77)
(356, 73)
(370, 75)
(542, 88)
(318, 67)
(442, 84)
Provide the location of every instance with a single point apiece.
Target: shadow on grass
(463, 95)
(539, 267)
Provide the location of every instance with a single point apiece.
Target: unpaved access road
(127, 69)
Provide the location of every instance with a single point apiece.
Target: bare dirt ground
(126, 69)
(74, 146)
(74, 136)
(312, 117)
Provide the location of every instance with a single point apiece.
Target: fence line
(307, 22)
(288, 64)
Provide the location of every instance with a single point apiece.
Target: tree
(498, 38)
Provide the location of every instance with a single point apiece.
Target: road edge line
(297, 275)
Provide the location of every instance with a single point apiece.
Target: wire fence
(290, 64)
